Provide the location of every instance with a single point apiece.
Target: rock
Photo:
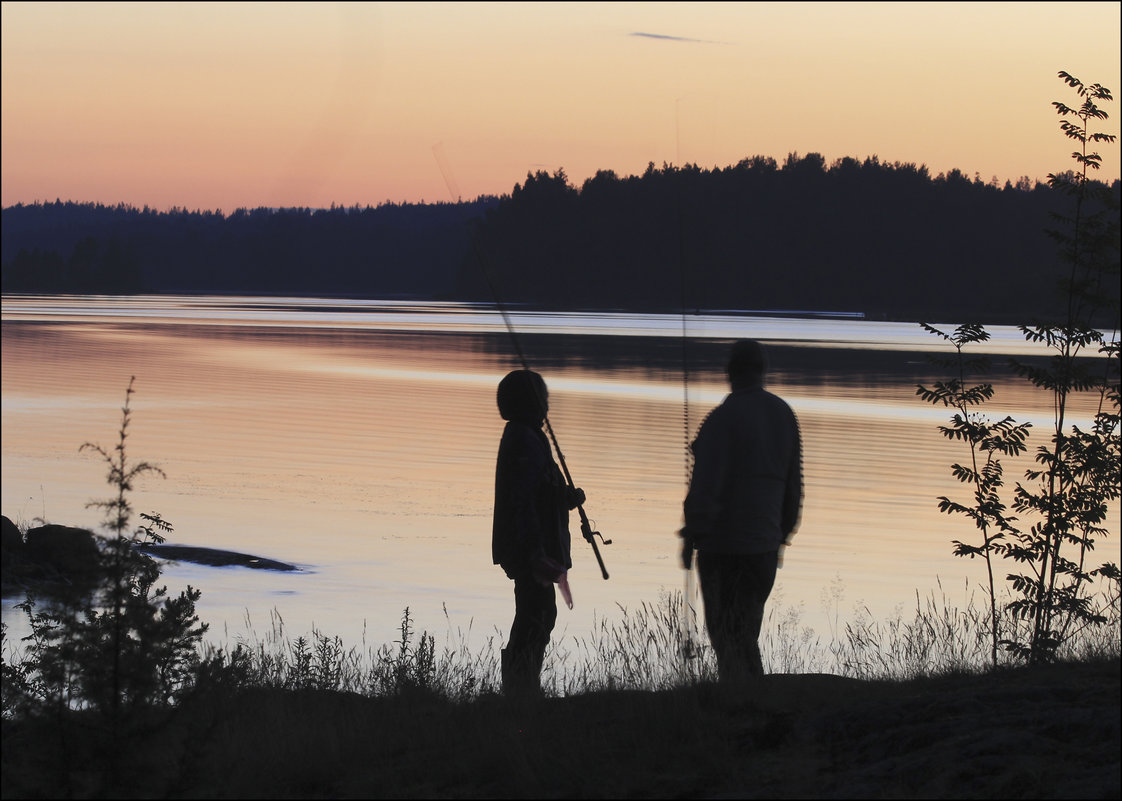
(14, 565)
(70, 551)
(11, 539)
(215, 557)
(51, 559)
(57, 559)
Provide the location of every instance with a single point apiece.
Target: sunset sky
(227, 105)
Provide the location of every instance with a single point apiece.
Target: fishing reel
(589, 534)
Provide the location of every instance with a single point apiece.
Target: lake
(357, 440)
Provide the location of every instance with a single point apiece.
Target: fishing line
(585, 526)
(690, 639)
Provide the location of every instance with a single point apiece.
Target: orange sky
(223, 105)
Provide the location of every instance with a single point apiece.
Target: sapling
(111, 657)
(1078, 476)
(987, 441)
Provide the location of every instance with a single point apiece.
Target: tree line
(886, 240)
(89, 248)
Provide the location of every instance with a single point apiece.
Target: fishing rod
(585, 525)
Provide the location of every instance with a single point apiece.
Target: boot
(506, 661)
(520, 680)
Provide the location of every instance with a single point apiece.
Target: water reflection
(363, 451)
(824, 330)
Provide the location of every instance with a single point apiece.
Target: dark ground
(1045, 732)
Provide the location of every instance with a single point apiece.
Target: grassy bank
(885, 709)
(1048, 732)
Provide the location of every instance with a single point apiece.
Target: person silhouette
(742, 506)
(530, 533)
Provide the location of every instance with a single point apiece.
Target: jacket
(745, 494)
(531, 522)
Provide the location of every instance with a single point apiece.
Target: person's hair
(747, 360)
(522, 396)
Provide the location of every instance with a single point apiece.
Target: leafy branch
(987, 441)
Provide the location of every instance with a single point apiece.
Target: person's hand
(546, 571)
(566, 593)
(687, 553)
(576, 497)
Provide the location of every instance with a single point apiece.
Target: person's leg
(712, 569)
(535, 614)
(756, 580)
(544, 604)
(735, 588)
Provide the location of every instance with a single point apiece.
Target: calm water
(357, 440)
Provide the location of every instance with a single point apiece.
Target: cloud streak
(665, 38)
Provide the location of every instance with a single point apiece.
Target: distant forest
(386, 251)
(886, 240)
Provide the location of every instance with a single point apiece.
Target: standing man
(530, 533)
(743, 504)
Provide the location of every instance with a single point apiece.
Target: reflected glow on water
(836, 330)
(357, 440)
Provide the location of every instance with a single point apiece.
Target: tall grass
(322, 662)
(278, 715)
(935, 637)
(646, 649)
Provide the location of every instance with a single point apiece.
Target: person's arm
(793, 491)
(524, 474)
(712, 450)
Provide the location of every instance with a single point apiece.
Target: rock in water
(215, 557)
